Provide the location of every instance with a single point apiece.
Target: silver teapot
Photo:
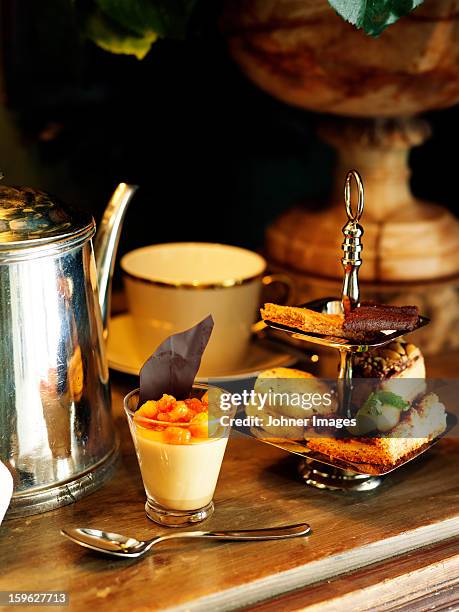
(56, 431)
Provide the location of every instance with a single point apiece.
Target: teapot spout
(106, 245)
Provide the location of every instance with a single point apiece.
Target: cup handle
(290, 295)
(286, 281)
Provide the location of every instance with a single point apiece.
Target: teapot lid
(30, 217)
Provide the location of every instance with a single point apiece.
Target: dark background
(216, 159)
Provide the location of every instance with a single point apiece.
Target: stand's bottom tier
(322, 476)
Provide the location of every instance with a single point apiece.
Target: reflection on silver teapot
(56, 431)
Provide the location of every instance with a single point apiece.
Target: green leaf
(132, 26)
(377, 399)
(373, 15)
(113, 38)
(167, 18)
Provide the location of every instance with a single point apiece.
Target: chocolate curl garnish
(173, 366)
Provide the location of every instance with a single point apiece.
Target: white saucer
(123, 354)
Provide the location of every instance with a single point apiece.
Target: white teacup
(171, 287)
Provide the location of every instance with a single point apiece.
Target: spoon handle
(271, 533)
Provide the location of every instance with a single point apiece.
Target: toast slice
(306, 320)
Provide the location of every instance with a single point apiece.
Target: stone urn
(303, 53)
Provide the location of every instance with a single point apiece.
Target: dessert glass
(179, 479)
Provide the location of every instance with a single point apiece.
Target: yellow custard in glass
(178, 460)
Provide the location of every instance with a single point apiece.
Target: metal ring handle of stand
(350, 295)
(352, 244)
(347, 195)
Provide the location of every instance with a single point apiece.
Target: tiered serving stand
(319, 470)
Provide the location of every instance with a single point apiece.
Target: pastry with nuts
(398, 359)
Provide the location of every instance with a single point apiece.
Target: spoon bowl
(103, 541)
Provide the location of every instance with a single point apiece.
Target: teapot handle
(106, 245)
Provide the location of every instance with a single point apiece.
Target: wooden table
(394, 548)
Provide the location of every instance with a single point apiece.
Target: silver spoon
(118, 545)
